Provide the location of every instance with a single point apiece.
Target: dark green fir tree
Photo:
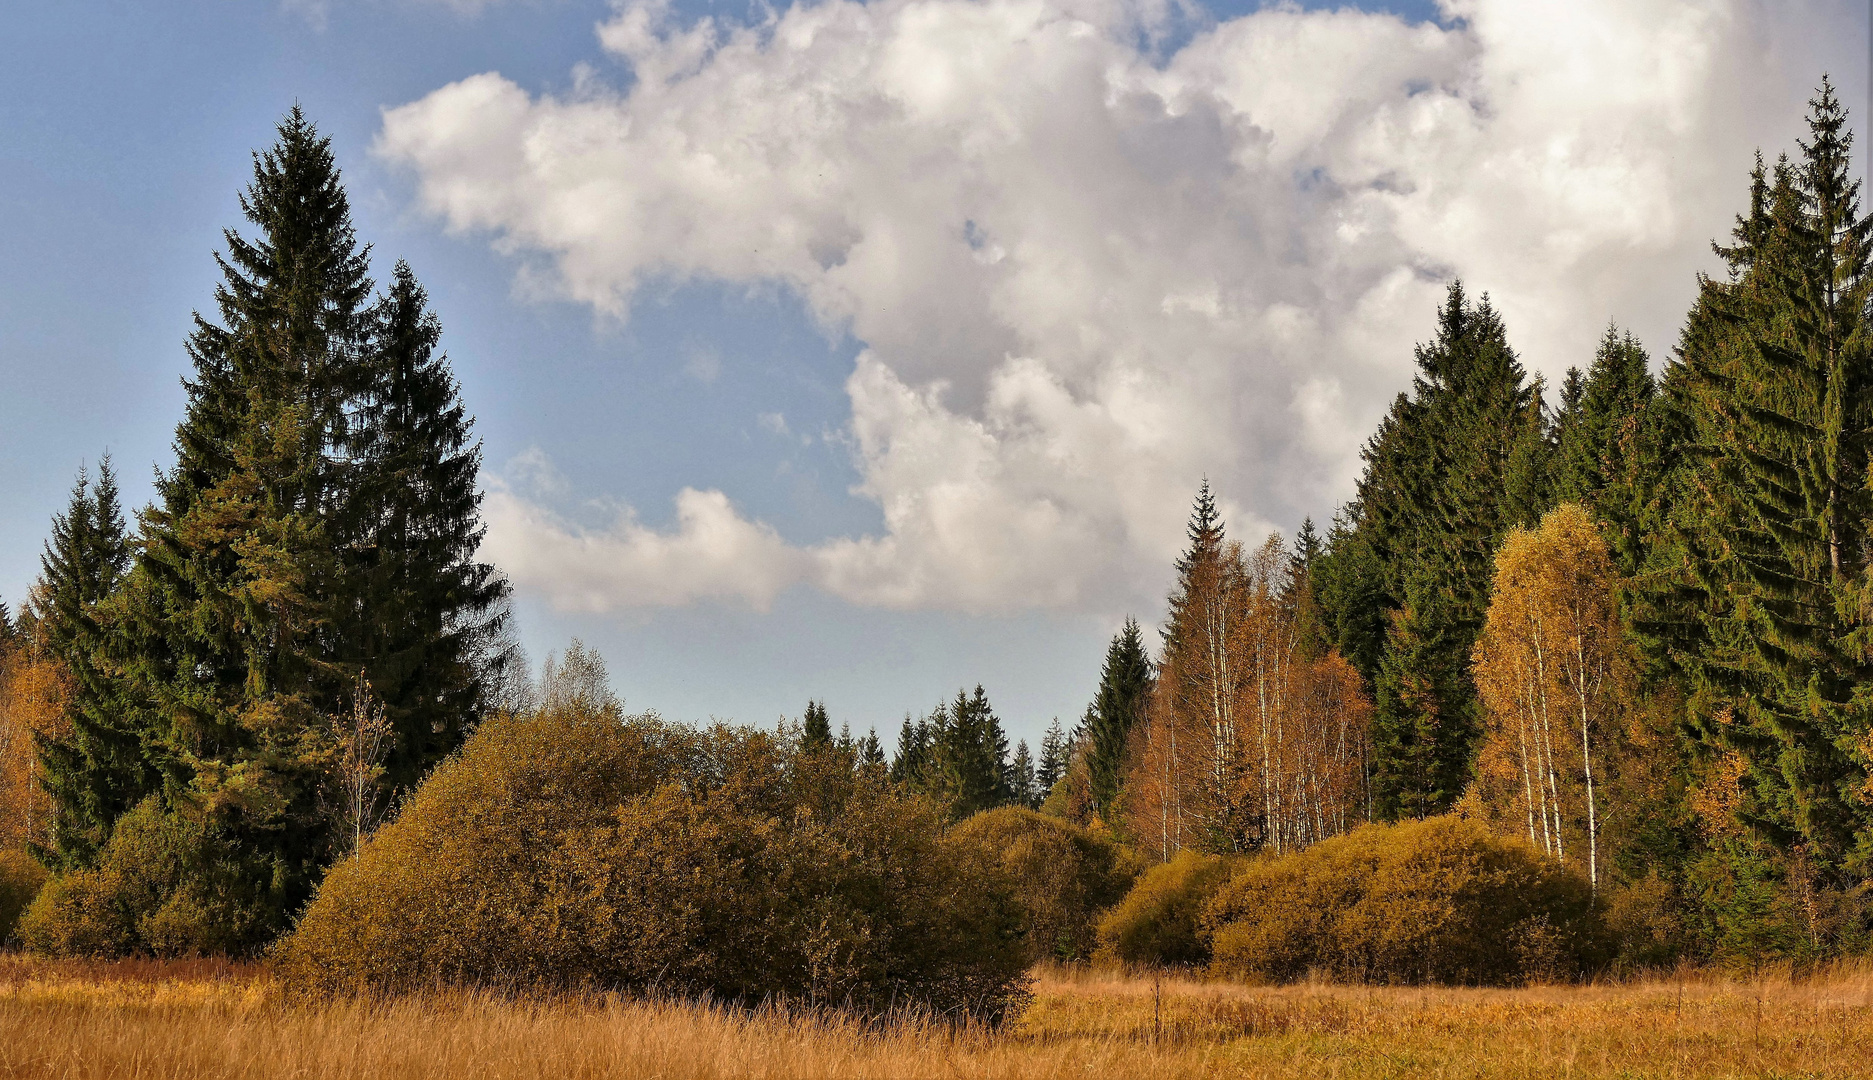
(1055, 750)
(427, 618)
(238, 608)
(1771, 612)
(970, 771)
(95, 769)
(316, 533)
(1604, 459)
(1023, 789)
(914, 764)
(1455, 465)
(871, 751)
(1118, 707)
(816, 729)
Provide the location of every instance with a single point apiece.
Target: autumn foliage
(1433, 901)
(1553, 668)
(1256, 737)
(1160, 921)
(32, 695)
(579, 847)
(1065, 876)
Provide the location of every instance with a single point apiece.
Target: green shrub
(578, 847)
(1160, 922)
(21, 878)
(1064, 875)
(1439, 900)
(163, 886)
(1746, 903)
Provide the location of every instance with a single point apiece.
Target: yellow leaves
(1553, 669)
(576, 846)
(1064, 875)
(1433, 900)
(33, 693)
(1160, 920)
(1719, 793)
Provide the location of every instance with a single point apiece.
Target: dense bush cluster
(1065, 876)
(579, 846)
(1439, 900)
(163, 886)
(1160, 922)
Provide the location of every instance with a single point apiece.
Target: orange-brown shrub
(577, 847)
(1064, 875)
(1160, 921)
(1433, 901)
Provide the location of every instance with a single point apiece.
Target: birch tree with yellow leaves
(1553, 668)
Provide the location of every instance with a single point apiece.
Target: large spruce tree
(1769, 619)
(95, 769)
(816, 728)
(1455, 464)
(957, 755)
(1055, 749)
(315, 536)
(1204, 536)
(239, 602)
(1604, 458)
(425, 617)
(972, 756)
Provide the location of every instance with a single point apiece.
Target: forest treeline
(1569, 682)
(1634, 629)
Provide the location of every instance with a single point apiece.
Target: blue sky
(127, 128)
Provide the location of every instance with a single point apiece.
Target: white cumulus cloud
(711, 553)
(1087, 273)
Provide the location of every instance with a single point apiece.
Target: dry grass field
(152, 1021)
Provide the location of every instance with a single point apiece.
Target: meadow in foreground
(213, 1019)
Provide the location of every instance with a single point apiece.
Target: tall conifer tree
(1779, 383)
(1604, 456)
(914, 764)
(239, 596)
(1022, 790)
(317, 533)
(94, 770)
(1124, 690)
(427, 617)
(1054, 751)
(815, 729)
(972, 756)
(1300, 594)
(1454, 465)
(870, 750)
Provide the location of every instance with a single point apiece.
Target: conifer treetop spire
(1205, 530)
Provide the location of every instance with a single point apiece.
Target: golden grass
(205, 1019)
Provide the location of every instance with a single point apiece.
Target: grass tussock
(158, 1020)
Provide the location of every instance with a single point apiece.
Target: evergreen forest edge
(1632, 632)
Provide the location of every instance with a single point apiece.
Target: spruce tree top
(1205, 530)
(84, 558)
(816, 730)
(291, 301)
